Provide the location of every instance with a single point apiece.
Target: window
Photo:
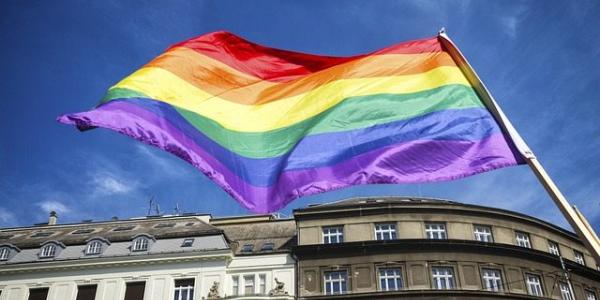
(82, 231)
(483, 233)
(534, 285)
(235, 285)
(267, 247)
(187, 243)
(589, 295)
(140, 244)
(135, 290)
(38, 294)
(93, 248)
(48, 251)
(165, 225)
(184, 289)
(41, 234)
(492, 280)
(390, 279)
(565, 291)
(262, 284)
(333, 235)
(248, 284)
(553, 248)
(247, 248)
(579, 257)
(86, 292)
(336, 282)
(523, 239)
(385, 232)
(435, 231)
(443, 278)
(4, 253)
(124, 228)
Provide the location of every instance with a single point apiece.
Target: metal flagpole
(585, 233)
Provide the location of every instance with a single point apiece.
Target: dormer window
(140, 244)
(4, 253)
(93, 248)
(48, 251)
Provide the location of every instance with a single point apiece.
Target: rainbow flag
(270, 125)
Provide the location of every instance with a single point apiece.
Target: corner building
(407, 248)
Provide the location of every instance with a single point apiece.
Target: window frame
(144, 241)
(565, 291)
(437, 231)
(262, 283)
(253, 280)
(190, 289)
(477, 234)
(453, 278)
(527, 284)
(343, 281)
(235, 285)
(48, 253)
(5, 252)
(528, 240)
(500, 287)
(187, 242)
(579, 257)
(551, 250)
(399, 275)
(589, 293)
(328, 237)
(390, 231)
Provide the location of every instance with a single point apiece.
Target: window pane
(38, 294)
(135, 290)
(86, 292)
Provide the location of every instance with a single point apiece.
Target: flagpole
(585, 233)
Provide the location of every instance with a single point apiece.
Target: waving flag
(270, 125)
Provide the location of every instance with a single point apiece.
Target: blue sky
(540, 59)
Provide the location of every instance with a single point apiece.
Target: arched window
(140, 244)
(4, 253)
(93, 248)
(48, 251)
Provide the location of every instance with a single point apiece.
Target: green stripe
(352, 113)
(116, 93)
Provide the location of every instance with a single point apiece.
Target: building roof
(258, 232)
(113, 231)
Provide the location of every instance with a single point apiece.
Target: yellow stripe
(162, 85)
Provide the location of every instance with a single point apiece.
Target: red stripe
(282, 65)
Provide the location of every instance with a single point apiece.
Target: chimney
(53, 218)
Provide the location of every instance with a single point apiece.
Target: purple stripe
(407, 162)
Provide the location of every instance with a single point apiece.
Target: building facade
(362, 248)
(434, 249)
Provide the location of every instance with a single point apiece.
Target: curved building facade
(395, 248)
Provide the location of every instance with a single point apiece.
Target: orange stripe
(217, 78)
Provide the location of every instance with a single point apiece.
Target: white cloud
(106, 183)
(6, 217)
(53, 205)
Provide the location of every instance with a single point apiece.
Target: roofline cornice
(108, 262)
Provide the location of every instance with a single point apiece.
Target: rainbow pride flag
(270, 125)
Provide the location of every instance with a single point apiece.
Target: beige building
(369, 248)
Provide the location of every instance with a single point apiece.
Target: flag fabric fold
(270, 125)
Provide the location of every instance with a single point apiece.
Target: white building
(151, 258)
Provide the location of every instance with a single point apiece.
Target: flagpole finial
(442, 31)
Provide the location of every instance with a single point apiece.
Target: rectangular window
(390, 279)
(336, 282)
(385, 231)
(590, 295)
(435, 231)
(333, 235)
(534, 285)
(565, 292)
(579, 257)
(86, 292)
(492, 280)
(247, 248)
(235, 285)
(262, 284)
(4, 253)
(93, 248)
(248, 284)
(187, 243)
(140, 244)
(483, 233)
(522, 239)
(184, 289)
(38, 294)
(443, 278)
(135, 290)
(553, 248)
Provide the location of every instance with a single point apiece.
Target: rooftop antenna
(177, 211)
(157, 209)
(150, 205)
